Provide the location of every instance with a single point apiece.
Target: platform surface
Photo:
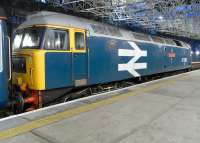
(163, 111)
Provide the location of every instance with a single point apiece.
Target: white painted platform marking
(132, 66)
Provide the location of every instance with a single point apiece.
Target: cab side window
(79, 41)
(56, 40)
(60, 40)
(49, 39)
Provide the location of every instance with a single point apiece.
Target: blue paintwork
(58, 71)
(4, 74)
(80, 66)
(100, 65)
(104, 61)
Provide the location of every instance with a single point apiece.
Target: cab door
(79, 58)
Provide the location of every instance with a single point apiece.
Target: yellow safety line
(27, 127)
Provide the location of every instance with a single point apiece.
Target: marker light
(197, 53)
(160, 17)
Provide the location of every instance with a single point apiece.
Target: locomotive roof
(53, 18)
(95, 28)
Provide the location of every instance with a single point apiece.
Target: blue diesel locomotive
(55, 52)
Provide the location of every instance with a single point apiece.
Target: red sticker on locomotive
(171, 55)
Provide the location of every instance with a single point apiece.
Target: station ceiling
(174, 17)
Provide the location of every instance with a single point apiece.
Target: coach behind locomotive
(5, 72)
(55, 52)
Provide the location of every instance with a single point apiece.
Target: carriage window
(157, 39)
(140, 36)
(56, 40)
(79, 41)
(178, 43)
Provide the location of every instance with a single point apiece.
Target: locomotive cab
(42, 62)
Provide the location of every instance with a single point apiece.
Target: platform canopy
(174, 17)
(177, 17)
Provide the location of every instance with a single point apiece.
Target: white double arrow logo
(132, 66)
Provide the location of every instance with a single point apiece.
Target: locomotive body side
(118, 62)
